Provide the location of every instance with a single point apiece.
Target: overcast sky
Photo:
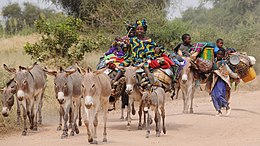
(172, 12)
(184, 5)
(39, 3)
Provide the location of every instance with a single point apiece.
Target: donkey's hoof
(80, 123)
(90, 140)
(59, 128)
(70, 126)
(72, 133)
(140, 127)
(77, 130)
(185, 112)
(164, 131)
(94, 142)
(24, 133)
(104, 139)
(31, 127)
(133, 111)
(34, 128)
(122, 118)
(64, 135)
(147, 136)
(157, 134)
(191, 111)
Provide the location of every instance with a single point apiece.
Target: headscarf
(141, 23)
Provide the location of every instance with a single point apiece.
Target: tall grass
(12, 54)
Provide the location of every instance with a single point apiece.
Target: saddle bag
(203, 65)
(162, 76)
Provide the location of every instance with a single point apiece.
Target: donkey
(153, 99)
(96, 89)
(133, 92)
(68, 93)
(187, 85)
(8, 93)
(30, 84)
(8, 99)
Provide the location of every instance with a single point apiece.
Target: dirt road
(242, 127)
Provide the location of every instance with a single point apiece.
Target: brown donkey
(68, 93)
(96, 89)
(187, 86)
(153, 99)
(30, 85)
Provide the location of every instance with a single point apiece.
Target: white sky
(40, 3)
(184, 5)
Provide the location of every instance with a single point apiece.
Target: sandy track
(242, 127)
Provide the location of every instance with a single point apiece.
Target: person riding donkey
(140, 47)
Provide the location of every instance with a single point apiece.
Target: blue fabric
(218, 94)
(216, 50)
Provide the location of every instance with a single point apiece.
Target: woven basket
(242, 68)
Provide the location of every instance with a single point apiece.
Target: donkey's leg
(94, 131)
(88, 123)
(163, 119)
(61, 114)
(18, 112)
(191, 100)
(73, 117)
(128, 114)
(70, 118)
(156, 119)
(147, 124)
(140, 116)
(105, 111)
(65, 118)
(80, 117)
(24, 117)
(35, 111)
(40, 108)
(185, 103)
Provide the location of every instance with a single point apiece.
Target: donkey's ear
(22, 68)
(61, 69)
(100, 71)
(89, 69)
(50, 72)
(32, 66)
(2, 90)
(10, 70)
(69, 72)
(80, 69)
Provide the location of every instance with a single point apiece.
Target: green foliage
(170, 33)
(235, 21)
(61, 44)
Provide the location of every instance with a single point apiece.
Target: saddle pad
(162, 76)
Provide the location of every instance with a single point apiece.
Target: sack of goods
(162, 76)
(205, 55)
(203, 65)
(242, 65)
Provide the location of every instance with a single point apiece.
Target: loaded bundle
(242, 64)
(204, 52)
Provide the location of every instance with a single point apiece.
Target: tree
(61, 44)
(13, 16)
